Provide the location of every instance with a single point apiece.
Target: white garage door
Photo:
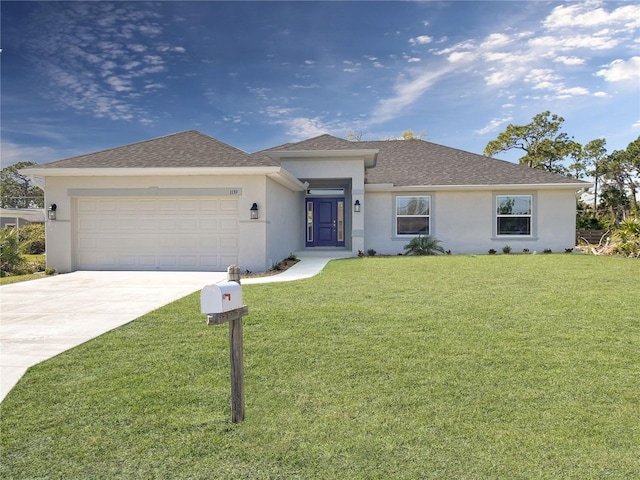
(122, 233)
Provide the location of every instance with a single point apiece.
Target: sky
(78, 77)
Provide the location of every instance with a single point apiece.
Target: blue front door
(325, 222)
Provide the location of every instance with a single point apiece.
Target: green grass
(466, 367)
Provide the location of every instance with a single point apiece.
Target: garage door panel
(156, 233)
(228, 224)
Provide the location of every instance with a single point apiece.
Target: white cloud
(413, 60)
(407, 92)
(421, 40)
(591, 14)
(565, 93)
(562, 43)
(495, 40)
(620, 70)
(569, 60)
(600, 94)
(301, 127)
(501, 78)
(461, 57)
(636, 124)
(494, 124)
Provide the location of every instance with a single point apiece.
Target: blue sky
(83, 76)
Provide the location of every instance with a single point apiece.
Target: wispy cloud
(538, 57)
(407, 91)
(493, 125)
(101, 57)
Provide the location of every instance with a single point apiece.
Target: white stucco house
(189, 202)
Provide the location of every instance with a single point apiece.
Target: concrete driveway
(45, 317)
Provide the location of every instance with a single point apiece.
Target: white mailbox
(221, 297)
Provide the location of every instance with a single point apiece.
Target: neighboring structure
(20, 217)
(189, 202)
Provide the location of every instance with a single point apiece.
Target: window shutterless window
(413, 215)
(514, 214)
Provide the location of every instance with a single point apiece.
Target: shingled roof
(417, 162)
(180, 150)
(399, 162)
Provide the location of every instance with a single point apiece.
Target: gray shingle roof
(180, 150)
(417, 162)
(399, 162)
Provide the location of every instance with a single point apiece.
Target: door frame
(338, 216)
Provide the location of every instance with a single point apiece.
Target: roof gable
(180, 150)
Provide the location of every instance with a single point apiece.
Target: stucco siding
(465, 221)
(285, 228)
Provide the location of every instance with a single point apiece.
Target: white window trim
(532, 215)
(395, 214)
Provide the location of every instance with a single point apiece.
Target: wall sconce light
(356, 206)
(254, 211)
(51, 212)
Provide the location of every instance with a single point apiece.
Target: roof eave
(386, 187)
(147, 171)
(288, 180)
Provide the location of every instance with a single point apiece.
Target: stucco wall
(60, 233)
(285, 222)
(464, 221)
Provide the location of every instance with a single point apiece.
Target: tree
(17, 190)
(544, 146)
(409, 135)
(355, 136)
(592, 161)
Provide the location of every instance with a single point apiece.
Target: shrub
(32, 239)
(424, 245)
(11, 261)
(371, 252)
(506, 249)
(547, 250)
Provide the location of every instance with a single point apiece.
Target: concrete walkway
(45, 317)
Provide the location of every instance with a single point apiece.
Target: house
(190, 202)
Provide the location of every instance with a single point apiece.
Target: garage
(156, 233)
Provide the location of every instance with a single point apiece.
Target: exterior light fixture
(356, 206)
(254, 211)
(51, 212)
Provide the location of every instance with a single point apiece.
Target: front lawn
(501, 366)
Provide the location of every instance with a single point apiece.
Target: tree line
(615, 175)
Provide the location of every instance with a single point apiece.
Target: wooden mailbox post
(223, 303)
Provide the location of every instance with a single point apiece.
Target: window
(513, 214)
(413, 215)
(309, 221)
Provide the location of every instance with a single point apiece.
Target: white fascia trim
(389, 187)
(370, 155)
(146, 172)
(288, 180)
(38, 182)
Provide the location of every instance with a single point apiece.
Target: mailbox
(221, 297)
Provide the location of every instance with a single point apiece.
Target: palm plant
(423, 245)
